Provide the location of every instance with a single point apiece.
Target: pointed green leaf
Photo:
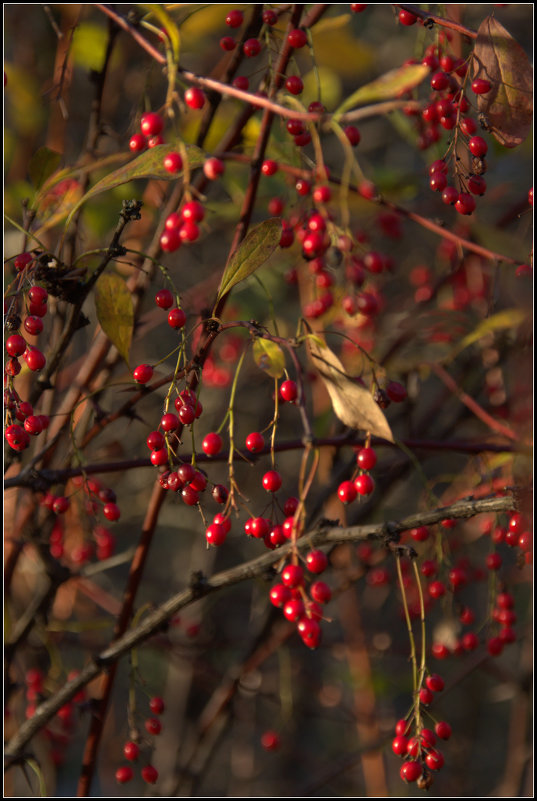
(508, 318)
(148, 165)
(392, 84)
(42, 164)
(253, 251)
(269, 357)
(113, 303)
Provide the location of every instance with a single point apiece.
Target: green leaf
(499, 59)
(253, 251)
(89, 45)
(42, 164)
(508, 318)
(148, 165)
(392, 84)
(113, 304)
(269, 357)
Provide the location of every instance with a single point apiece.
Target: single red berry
(353, 135)
(269, 16)
(235, 18)
(17, 438)
(310, 631)
(149, 774)
(255, 442)
(164, 299)
(420, 534)
(411, 771)
(357, 8)
(60, 505)
(213, 168)
(194, 97)
(477, 146)
(469, 641)
(111, 511)
(434, 760)
(293, 576)
(407, 18)
(189, 231)
(493, 561)
(399, 745)
(272, 481)
(151, 123)
(437, 589)
(124, 774)
(153, 725)
(22, 261)
(297, 38)
(322, 194)
(33, 425)
(228, 43)
(495, 646)
(426, 696)
(131, 751)
(15, 345)
(289, 391)
(176, 318)
(364, 484)
(173, 162)
(155, 440)
(143, 373)
(316, 561)
(193, 210)
(270, 740)
(33, 325)
(294, 84)
(396, 392)
(212, 444)
(34, 359)
(320, 592)
(280, 595)
(465, 203)
(251, 48)
(169, 422)
(137, 143)
(439, 81)
(294, 609)
(443, 730)
(450, 196)
(347, 492)
(170, 241)
(477, 185)
(439, 650)
(435, 682)
(480, 86)
(269, 167)
(220, 493)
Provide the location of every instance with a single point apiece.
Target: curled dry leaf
(353, 404)
(508, 107)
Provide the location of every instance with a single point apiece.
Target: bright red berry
(411, 771)
(124, 774)
(212, 444)
(131, 751)
(477, 146)
(111, 511)
(407, 18)
(149, 774)
(255, 442)
(251, 48)
(151, 124)
(297, 38)
(143, 373)
(289, 391)
(294, 84)
(153, 726)
(173, 162)
(316, 561)
(194, 97)
(176, 318)
(480, 86)
(293, 576)
(270, 741)
(15, 345)
(164, 299)
(34, 358)
(213, 168)
(272, 481)
(235, 18)
(347, 492)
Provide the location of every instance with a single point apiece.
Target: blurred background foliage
(318, 701)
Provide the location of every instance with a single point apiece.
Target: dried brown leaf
(508, 107)
(353, 404)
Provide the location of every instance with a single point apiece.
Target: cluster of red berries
(362, 483)
(22, 422)
(131, 749)
(417, 745)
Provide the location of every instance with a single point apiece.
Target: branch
(201, 587)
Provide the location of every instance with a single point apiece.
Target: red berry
(353, 135)
(439, 81)
(213, 168)
(477, 185)
(434, 760)
(169, 422)
(111, 511)
(396, 392)
(480, 86)
(143, 373)
(493, 561)
(399, 745)
(435, 682)
(465, 203)
(294, 84)
(149, 774)
(170, 241)
(153, 725)
(251, 48)
(17, 438)
(495, 646)
(347, 492)
(450, 196)
(272, 481)
(22, 261)
(426, 696)
(235, 18)
(297, 38)
(269, 17)
(33, 425)
(407, 18)
(151, 123)
(33, 325)
(153, 141)
(320, 592)
(241, 82)
(164, 299)
(194, 97)
(255, 442)
(270, 741)
(212, 444)
(228, 43)
(443, 730)
(155, 440)
(269, 167)
(289, 391)
(477, 146)
(131, 751)
(34, 359)
(364, 484)
(15, 345)
(176, 318)
(193, 210)
(124, 774)
(469, 641)
(411, 771)
(437, 589)
(173, 162)
(137, 143)
(317, 561)
(293, 576)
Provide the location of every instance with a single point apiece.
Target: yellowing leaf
(148, 165)
(167, 23)
(113, 304)
(392, 84)
(253, 251)
(269, 357)
(353, 404)
(508, 318)
(89, 45)
(499, 59)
